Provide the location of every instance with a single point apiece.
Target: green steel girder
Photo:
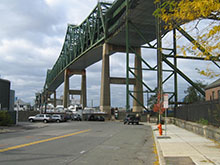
(79, 39)
(140, 58)
(168, 78)
(138, 101)
(164, 70)
(127, 56)
(191, 57)
(194, 42)
(183, 75)
(140, 80)
(191, 39)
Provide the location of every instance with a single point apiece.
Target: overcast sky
(31, 37)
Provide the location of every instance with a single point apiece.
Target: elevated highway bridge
(121, 26)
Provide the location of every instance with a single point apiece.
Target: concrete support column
(105, 82)
(83, 97)
(138, 86)
(66, 89)
(41, 102)
(45, 102)
(54, 99)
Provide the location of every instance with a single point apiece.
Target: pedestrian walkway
(183, 147)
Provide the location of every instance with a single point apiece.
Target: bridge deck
(140, 14)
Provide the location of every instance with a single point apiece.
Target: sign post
(165, 105)
(17, 112)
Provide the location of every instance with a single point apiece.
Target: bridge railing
(79, 39)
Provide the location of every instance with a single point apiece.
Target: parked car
(76, 117)
(58, 118)
(100, 118)
(132, 119)
(96, 118)
(40, 117)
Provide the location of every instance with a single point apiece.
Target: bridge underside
(141, 18)
(83, 61)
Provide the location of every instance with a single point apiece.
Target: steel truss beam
(200, 47)
(79, 39)
(183, 75)
(161, 57)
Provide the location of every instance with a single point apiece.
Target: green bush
(5, 118)
(203, 121)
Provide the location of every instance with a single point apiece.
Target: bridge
(122, 26)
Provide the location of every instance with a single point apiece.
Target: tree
(193, 95)
(151, 101)
(183, 11)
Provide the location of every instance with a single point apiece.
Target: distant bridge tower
(67, 91)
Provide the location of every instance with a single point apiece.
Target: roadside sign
(165, 101)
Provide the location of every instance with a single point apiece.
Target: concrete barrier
(207, 131)
(23, 115)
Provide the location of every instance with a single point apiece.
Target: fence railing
(209, 111)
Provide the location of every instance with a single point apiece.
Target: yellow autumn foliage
(183, 11)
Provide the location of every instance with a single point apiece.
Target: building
(12, 100)
(212, 91)
(22, 106)
(4, 94)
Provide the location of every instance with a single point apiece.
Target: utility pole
(159, 61)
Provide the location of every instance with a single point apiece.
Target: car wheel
(45, 121)
(58, 121)
(31, 120)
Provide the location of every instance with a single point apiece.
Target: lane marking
(42, 141)
(82, 152)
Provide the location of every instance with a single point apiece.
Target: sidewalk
(183, 147)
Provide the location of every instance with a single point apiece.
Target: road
(78, 143)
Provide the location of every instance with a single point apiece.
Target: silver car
(40, 117)
(58, 118)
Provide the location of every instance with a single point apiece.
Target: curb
(159, 151)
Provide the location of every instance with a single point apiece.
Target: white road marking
(82, 152)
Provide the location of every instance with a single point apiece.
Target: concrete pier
(54, 99)
(66, 89)
(105, 82)
(83, 97)
(138, 87)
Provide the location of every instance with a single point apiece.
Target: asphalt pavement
(77, 143)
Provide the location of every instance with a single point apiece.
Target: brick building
(212, 91)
